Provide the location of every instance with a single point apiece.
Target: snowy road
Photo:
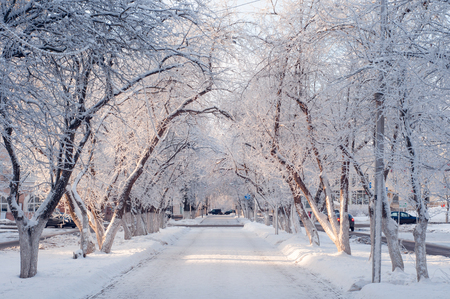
(219, 263)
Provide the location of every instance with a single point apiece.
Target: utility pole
(275, 214)
(446, 195)
(255, 210)
(379, 193)
(379, 156)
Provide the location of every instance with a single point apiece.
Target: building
(28, 200)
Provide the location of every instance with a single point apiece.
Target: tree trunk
(309, 226)
(133, 223)
(390, 229)
(266, 218)
(150, 222)
(420, 230)
(78, 210)
(144, 217)
(140, 226)
(186, 214)
(71, 204)
(97, 226)
(162, 219)
(155, 222)
(287, 219)
(281, 220)
(29, 247)
(111, 232)
(127, 227)
(343, 211)
(87, 244)
(295, 221)
(420, 233)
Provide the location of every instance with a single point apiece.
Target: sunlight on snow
(224, 258)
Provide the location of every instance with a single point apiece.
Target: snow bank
(11, 234)
(195, 221)
(60, 276)
(352, 273)
(7, 221)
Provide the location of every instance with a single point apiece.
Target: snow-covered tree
(63, 61)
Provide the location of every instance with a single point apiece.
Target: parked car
(59, 219)
(215, 212)
(404, 217)
(229, 212)
(351, 220)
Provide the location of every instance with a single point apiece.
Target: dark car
(59, 219)
(404, 217)
(215, 212)
(229, 212)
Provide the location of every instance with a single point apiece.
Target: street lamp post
(276, 219)
(254, 219)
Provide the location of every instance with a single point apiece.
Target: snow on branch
(212, 110)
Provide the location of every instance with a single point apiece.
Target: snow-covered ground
(61, 276)
(354, 272)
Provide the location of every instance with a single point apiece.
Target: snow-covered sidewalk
(60, 276)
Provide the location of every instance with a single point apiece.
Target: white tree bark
(266, 218)
(390, 229)
(127, 226)
(295, 221)
(98, 227)
(140, 225)
(150, 222)
(80, 212)
(111, 232)
(155, 222)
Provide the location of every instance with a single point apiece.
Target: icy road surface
(219, 263)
